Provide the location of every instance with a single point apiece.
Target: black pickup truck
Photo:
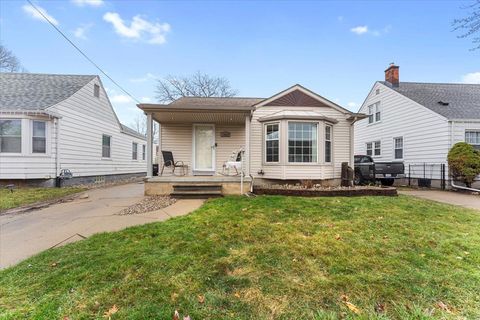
(366, 170)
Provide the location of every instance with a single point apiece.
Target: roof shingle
(451, 100)
(30, 91)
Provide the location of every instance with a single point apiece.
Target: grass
(269, 257)
(24, 196)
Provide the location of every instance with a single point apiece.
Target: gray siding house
(52, 123)
(417, 123)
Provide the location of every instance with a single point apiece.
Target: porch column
(149, 145)
(247, 145)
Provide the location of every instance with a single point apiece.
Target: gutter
(50, 114)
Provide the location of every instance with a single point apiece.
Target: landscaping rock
(148, 204)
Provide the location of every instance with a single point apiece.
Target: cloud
(146, 99)
(28, 9)
(120, 98)
(92, 3)
(473, 77)
(81, 32)
(359, 30)
(148, 76)
(139, 29)
(352, 104)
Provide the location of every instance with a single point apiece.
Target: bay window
(39, 141)
(11, 136)
(271, 143)
(302, 142)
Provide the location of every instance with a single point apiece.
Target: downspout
(57, 147)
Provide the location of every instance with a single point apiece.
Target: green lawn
(264, 258)
(24, 196)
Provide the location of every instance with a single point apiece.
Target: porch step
(196, 190)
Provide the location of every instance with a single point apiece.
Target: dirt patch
(319, 191)
(148, 204)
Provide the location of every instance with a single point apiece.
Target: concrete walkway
(23, 235)
(460, 199)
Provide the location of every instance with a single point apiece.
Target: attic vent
(443, 103)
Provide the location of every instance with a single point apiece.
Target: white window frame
(109, 146)
(378, 112)
(134, 150)
(369, 146)
(32, 136)
(374, 112)
(395, 148)
(265, 125)
(371, 115)
(22, 123)
(375, 148)
(331, 144)
(288, 147)
(476, 145)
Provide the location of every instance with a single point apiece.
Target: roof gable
(297, 95)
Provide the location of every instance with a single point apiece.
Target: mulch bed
(148, 204)
(325, 191)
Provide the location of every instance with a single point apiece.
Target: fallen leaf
(108, 314)
(244, 209)
(176, 315)
(54, 264)
(201, 298)
(338, 237)
(443, 306)
(174, 296)
(379, 307)
(344, 297)
(66, 318)
(237, 295)
(352, 307)
(385, 237)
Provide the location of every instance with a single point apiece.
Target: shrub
(464, 163)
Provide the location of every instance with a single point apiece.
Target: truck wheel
(387, 182)
(357, 179)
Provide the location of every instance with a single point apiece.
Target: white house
(294, 135)
(417, 123)
(53, 123)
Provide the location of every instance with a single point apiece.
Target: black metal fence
(427, 175)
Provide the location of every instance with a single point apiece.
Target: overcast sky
(337, 49)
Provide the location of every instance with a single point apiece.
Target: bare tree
(470, 25)
(8, 61)
(139, 123)
(197, 85)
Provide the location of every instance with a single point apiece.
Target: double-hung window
(377, 149)
(373, 148)
(302, 142)
(39, 141)
(11, 136)
(398, 147)
(473, 137)
(272, 142)
(134, 150)
(374, 113)
(106, 146)
(328, 143)
(143, 152)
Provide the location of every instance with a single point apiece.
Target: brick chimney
(392, 75)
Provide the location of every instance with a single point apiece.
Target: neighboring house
(417, 123)
(50, 123)
(291, 136)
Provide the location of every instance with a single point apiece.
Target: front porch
(197, 186)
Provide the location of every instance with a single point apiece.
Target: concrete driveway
(460, 199)
(23, 235)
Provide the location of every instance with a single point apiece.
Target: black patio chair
(169, 162)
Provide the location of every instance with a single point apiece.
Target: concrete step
(195, 194)
(197, 187)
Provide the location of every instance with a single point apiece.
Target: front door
(204, 149)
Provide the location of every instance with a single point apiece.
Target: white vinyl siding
(425, 133)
